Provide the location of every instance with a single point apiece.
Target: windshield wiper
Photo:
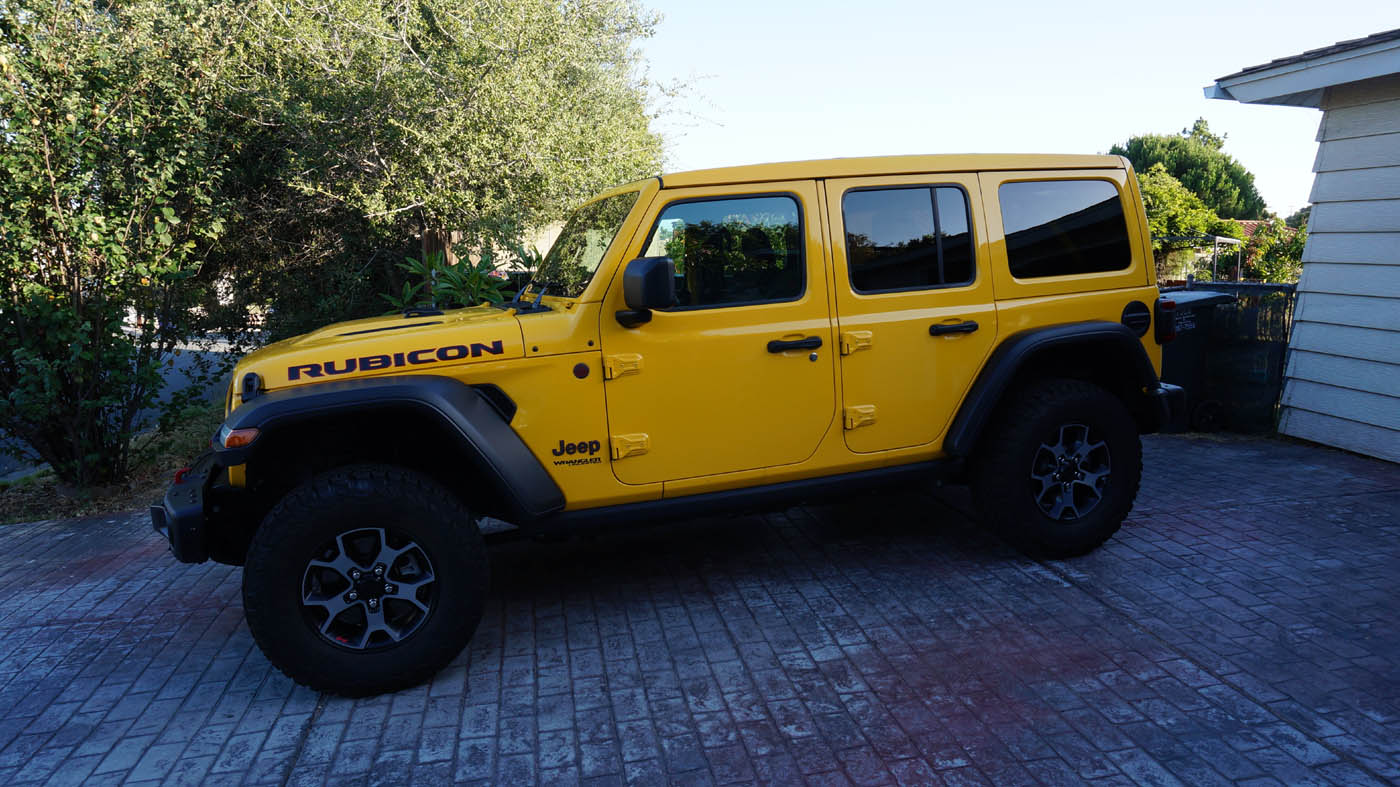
(519, 300)
(544, 287)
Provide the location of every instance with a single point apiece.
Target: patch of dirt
(153, 465)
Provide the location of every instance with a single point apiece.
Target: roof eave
(1302, 83)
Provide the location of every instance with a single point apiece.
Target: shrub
(108, 182)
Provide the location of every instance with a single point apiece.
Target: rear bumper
(1171, 407)
(181, 516)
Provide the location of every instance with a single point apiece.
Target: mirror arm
(631, 318)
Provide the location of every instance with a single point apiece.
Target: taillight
(1165, 320)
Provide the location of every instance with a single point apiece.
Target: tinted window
(907, 238)
(1062, 227)
(732, 251)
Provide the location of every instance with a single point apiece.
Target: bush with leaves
(1274, 253)
(437, 283)
(1178, 221)
(371, 132)
(109, 179)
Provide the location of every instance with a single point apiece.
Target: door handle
(809, 343)
(943, 329)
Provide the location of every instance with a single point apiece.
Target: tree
(1274, 253)
(109, 179)
(1195, 157)
(370, 128)
(1299, 218)
(1175, 213)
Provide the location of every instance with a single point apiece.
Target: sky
(783, 80)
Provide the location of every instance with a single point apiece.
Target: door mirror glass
(647, 283)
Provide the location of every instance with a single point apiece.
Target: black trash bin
(1184, 359)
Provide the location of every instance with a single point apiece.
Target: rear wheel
(1058, 472)
(364, 580)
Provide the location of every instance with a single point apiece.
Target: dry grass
(43, 496)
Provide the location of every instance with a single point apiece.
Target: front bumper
(180, 517)
(1171, 407)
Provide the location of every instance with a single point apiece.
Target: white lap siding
(1342, 384)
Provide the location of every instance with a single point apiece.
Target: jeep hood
(386, 345)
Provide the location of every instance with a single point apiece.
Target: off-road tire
(333, 503)
(1002, 482)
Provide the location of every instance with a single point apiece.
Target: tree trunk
(437, 241)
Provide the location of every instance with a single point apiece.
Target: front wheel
(364, 580)
(1059, 471)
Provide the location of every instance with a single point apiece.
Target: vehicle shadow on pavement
(895, 520)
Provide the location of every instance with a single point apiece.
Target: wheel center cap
(369, 587)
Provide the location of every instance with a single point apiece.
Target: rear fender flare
(1013, 354)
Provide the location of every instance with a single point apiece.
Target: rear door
(915, 309)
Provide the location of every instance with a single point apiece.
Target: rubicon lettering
(369, 363)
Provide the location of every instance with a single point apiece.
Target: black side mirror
(647, 283)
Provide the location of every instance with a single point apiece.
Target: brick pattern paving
(1243, 628)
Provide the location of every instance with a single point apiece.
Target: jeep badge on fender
(763, 364)
(589, 447)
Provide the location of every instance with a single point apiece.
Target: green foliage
(1299, 218)
(368, 128)
(1174, 211)
(445, 285)
(175, 166)
(109, 182)
(1274, 253)
(1195, 158)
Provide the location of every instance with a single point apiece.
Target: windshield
(574, 257)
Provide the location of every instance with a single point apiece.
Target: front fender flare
(497, 451)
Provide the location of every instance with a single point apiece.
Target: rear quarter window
(1063, 228)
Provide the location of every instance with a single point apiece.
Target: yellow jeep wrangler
(721, 339)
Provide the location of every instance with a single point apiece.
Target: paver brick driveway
(1244, 627)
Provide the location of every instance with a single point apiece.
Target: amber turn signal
(237, 438)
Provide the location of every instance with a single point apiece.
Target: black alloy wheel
(368, 588)
(1069, 473)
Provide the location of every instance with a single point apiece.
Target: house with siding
(1342, 382)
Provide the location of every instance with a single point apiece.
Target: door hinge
(854, 341)
(624, 445)
(615, 366)
(859, 415)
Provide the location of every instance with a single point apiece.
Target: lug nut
(373, 603)
(355, 574)
(379, 571)
(390, 588)
(352, 595)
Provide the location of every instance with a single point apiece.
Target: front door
(739, 375)
(914, 304)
